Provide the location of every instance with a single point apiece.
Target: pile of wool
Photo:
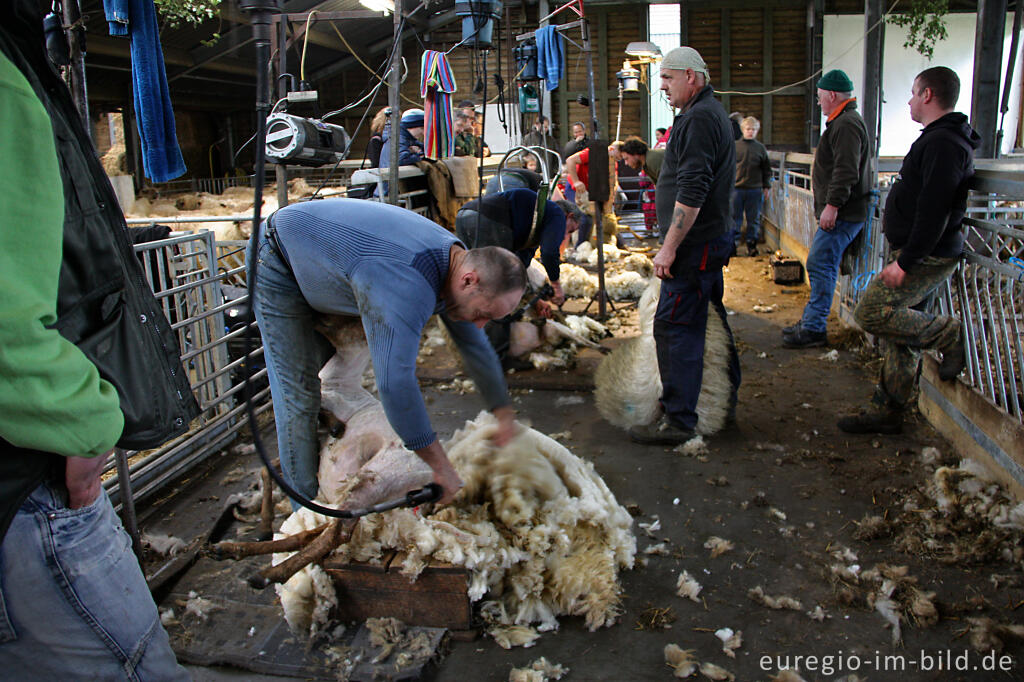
(959, 516)
(577, 282)
(626, 285)
(627, 391)
(638, 262)
(538, 529)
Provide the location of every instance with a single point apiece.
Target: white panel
(843, 48)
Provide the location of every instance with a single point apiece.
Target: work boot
(882, 421)
(660, 432)
(791, 329)
(751, 249)
(954, 358)
(804, 338)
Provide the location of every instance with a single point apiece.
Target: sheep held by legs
(628, 387)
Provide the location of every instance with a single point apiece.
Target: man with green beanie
(842, 191)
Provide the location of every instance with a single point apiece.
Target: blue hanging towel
(549, 55)
(161, 156)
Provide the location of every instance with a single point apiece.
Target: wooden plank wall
(765, 50)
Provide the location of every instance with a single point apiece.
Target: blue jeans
(73, 602)
(747, 202)
(822, 270)
(295, 353)
(680, 326)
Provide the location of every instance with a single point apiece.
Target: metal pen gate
(199, 284)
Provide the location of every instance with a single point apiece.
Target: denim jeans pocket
(94, 553)
(7, 633)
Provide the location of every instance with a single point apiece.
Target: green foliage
(925, 24)
(178, 12)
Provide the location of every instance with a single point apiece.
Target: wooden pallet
(438, 598)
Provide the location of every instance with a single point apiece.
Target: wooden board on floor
(439, 597)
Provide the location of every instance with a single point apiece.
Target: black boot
(954, 358)
(804, 338)
(882, 421)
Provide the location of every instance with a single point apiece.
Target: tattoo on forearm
(678, 216)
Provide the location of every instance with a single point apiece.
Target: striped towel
(436, 85)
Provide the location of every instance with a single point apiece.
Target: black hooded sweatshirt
(927, 203)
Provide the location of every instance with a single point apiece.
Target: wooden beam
(767, 72)
(871, 89)
(121, 48)
(988, 60)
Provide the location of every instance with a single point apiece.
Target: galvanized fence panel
(199, 284)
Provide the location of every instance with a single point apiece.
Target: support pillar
(988, 61)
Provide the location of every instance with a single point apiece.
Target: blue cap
(412, 118)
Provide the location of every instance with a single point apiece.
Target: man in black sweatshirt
(692, 197)
(922, 223)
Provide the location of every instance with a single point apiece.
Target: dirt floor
(784, 486)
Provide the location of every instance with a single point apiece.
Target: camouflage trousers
(897, 317)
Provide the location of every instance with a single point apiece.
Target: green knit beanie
(836, 80)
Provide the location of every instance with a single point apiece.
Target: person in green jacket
(75, 602)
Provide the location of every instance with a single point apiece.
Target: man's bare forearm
(683, 217)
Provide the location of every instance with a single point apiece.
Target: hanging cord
(305, 44)
(405, 69)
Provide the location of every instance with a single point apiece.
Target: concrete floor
(785, 454)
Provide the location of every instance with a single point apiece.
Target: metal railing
(987, 290)
(199, 284)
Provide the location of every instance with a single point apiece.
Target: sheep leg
(266, 528)
(335, 534)
(240, 550)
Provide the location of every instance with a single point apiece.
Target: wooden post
(872, 87)
(988, 61)
(396, 106)
(281, 38)
(815, 26)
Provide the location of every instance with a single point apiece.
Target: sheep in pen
(537, 528)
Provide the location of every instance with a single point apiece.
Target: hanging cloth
(549, 56)
(161, 156)
(437, 83)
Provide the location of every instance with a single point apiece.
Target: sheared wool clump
(586, 327)
(540, 670)
(782, 602)
(164, 545)
(716, 672)
(199, 607)
(638, 262)
(611, 253)
(731, 641)
(718, 546)
(626, 286)
(576, 282)
(508, 636)
(687, 586)
(681, 661)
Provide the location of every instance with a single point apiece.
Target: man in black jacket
(692, 198)
(922, 223)
(88, 362)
